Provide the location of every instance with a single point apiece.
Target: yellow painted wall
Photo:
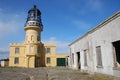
(20, 55)
(27, 58)
(53, 56)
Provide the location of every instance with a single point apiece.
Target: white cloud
(9, 23)
(81, 24)
(61, 46)
(93, 5)
(87, 6)
(8, 27)
(4, 53)
(4, 49)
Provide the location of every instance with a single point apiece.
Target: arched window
(38, 38)
(31, 37)
(38, 50)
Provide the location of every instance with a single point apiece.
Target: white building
(4, 62)
(99, 49)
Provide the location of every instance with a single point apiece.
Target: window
(99, 56)
(16, 50)
(32, 38)
(16, 60)
(37, 23)
(38, 38)
(31, 48)
(34, 23)
(38, 60)
(48, 60)
(85, 57)
(73, 58)
(48, 50)
(38, 50)
(32, 14)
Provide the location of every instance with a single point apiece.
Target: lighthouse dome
(34, 14)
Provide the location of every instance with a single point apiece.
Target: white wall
(2, 63)
(103, 37)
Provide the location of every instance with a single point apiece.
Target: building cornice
(111, 18)
(51, 45)
(17, 44)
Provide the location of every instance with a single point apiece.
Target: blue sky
(63, 20)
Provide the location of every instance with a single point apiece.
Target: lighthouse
(32, 52)
(34, 47)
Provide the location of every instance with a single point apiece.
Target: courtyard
(49, 73)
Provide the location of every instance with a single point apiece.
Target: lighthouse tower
(34, 47)
(33, 26)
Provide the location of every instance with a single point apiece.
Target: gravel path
(57, 73)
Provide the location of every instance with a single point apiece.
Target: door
(60, 61)
(78, 60)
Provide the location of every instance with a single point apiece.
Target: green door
(60, 61)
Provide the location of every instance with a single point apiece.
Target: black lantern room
(34, 14)
(34, 17)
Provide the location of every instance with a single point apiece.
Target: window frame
(38, 60)
(17, 50)
(99, 57)
(16, 60)
(38, 49)
(72, 58)
(48, 60)
(48, 50)
(85, 58)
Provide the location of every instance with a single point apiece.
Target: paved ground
(49, 73)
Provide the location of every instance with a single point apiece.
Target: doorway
(61, 62)
(78, 60)
(117, 50)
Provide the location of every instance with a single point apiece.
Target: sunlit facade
(33, 53)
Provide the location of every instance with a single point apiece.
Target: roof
(4, 60)
(111, 18)
(34, 9)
